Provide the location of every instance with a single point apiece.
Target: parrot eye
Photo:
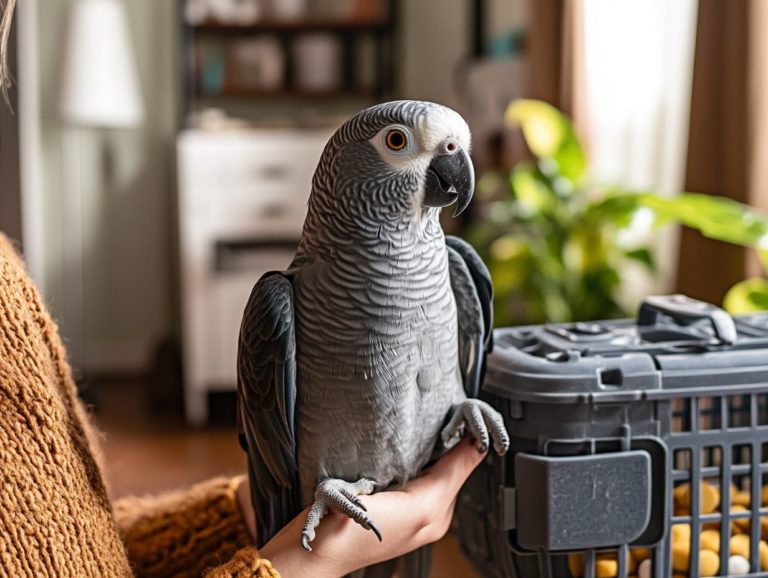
(395, 139)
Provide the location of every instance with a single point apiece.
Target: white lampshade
(100, 85)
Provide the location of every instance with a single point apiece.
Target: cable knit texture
(56, 518)
(183, 533)
(245, 564)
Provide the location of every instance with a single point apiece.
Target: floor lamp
(99, 90)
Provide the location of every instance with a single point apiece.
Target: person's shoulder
(9, 252)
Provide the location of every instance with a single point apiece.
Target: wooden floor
(147, 455)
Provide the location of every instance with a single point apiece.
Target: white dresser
(242, 201)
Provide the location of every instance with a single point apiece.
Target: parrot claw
(343, 497)
(375, 529)
(305, 541)
(482, 421)
(353, 497)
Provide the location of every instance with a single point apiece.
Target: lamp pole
(100, 90)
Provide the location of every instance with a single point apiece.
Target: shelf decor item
(317, 62)
(196, 11)
(236, 12)
(286, 9)
(256, 64)
(213, 67)
(246, 12)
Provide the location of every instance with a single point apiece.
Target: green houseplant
(553, 239)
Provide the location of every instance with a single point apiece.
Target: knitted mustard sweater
(55, 516)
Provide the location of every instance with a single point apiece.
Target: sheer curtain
(758, 109)
(635, 89)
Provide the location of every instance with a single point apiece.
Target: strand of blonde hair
(5, 34)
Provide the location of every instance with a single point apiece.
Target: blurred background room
(156, 159)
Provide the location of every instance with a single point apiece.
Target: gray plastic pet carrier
(629, 440)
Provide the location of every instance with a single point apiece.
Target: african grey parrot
(354, 361)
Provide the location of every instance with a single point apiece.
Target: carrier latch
(572, 503)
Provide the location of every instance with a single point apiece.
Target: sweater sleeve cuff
(184, 533)
(245, 564)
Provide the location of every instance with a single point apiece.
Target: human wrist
(335, 552)
(292, 560)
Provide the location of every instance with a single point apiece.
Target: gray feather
(483, 282)
(267, 397)
(473, 290)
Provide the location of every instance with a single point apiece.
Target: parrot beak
(450, 178)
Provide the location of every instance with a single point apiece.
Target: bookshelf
(285, 59)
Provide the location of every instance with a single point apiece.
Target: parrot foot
(343, 497)
(480, 419)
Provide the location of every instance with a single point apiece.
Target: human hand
(409, 517)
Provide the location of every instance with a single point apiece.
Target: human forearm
(417, 514)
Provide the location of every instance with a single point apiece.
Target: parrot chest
(360, 317)
(378, 372)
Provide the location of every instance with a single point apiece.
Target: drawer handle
(273, 172)
(241, 254)
(274, 210)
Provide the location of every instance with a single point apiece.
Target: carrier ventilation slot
(611, 377)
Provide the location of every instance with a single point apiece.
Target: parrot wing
(266, 375)
(473, 291)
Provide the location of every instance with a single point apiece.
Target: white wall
(434, 35)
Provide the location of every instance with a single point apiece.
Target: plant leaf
(762, 255)
(715, 217)
(531, 193)
(542, 124)
(617, 207)
(644, 256)
(748, 296)
(550, 136)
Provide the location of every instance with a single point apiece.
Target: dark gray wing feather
(473, 291)
(266, 375)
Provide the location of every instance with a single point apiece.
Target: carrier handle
(685, 311)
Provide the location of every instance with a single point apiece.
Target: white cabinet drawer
(246, 168)
(257, 205)
(246, 226)
(229, 171)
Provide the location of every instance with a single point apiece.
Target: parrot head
(393, 162)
